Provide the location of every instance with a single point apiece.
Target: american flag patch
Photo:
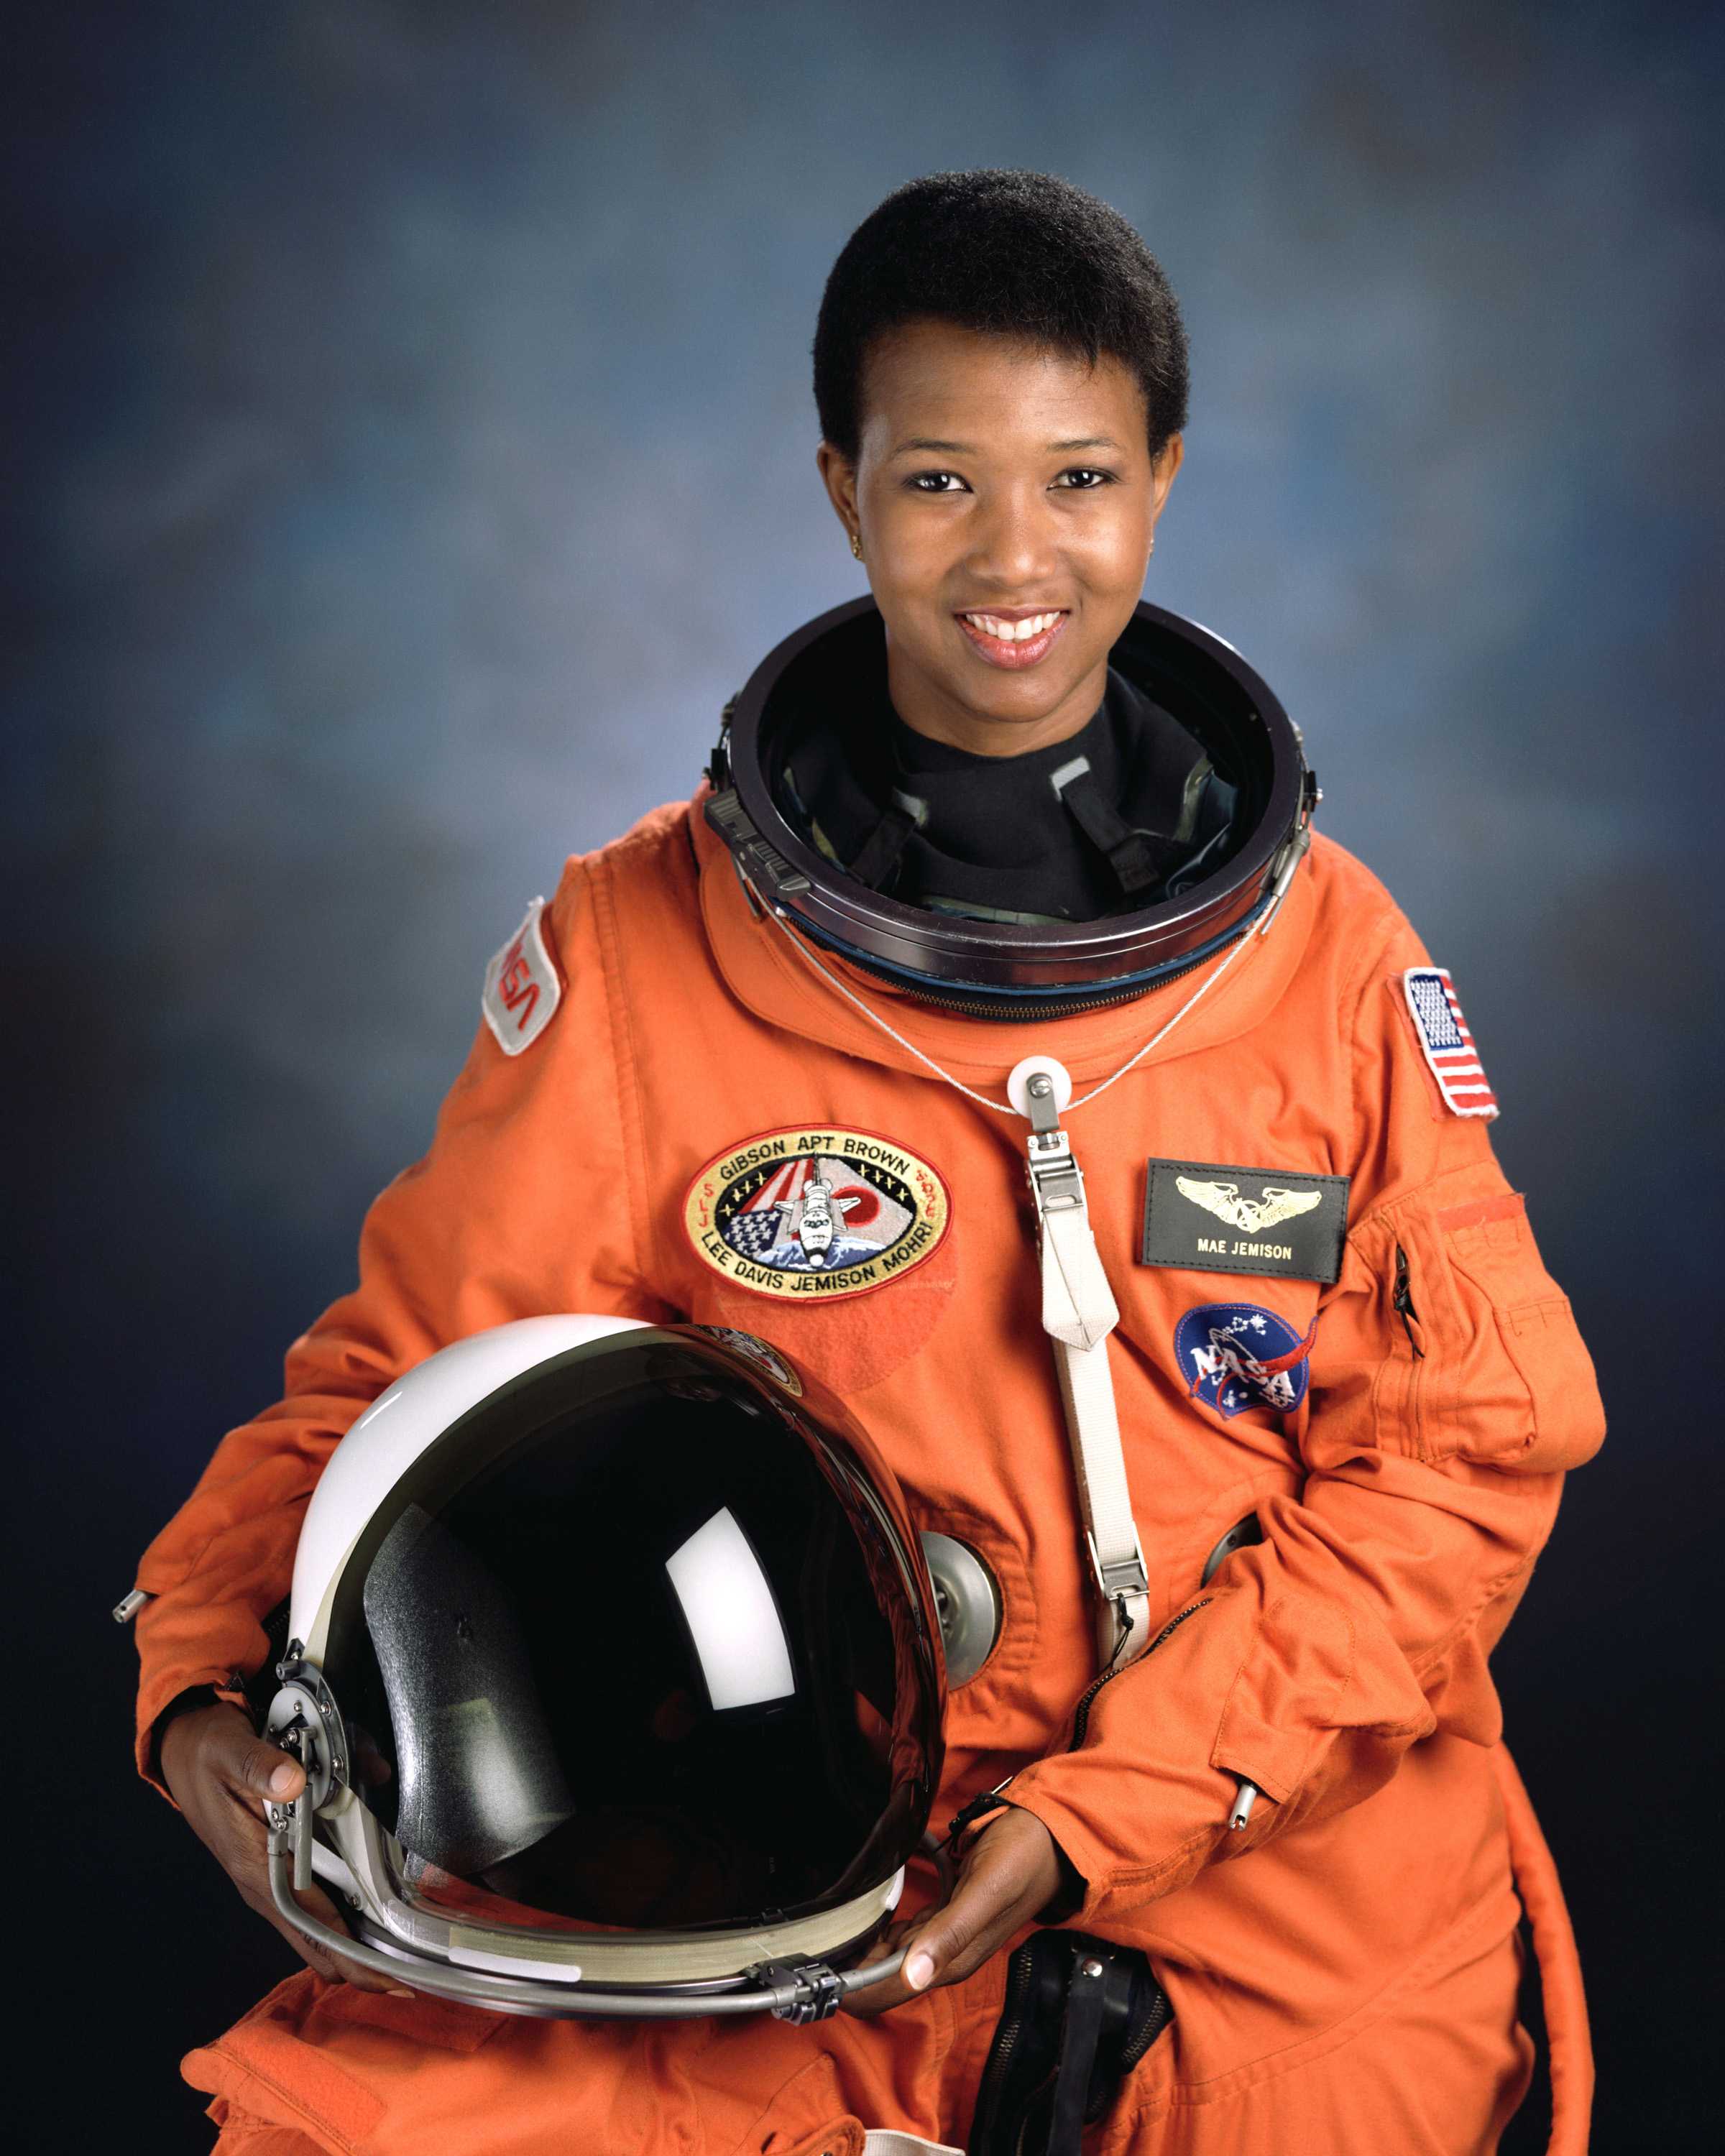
(1448, 1044)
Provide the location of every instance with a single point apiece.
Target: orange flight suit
(1343, 1972)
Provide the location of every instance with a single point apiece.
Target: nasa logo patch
(1235, 1356)
(521, 988)
(1448, 1045)
(815, 1214)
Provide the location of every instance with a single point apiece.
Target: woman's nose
(1012, 542)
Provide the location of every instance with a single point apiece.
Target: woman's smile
(1014, 639)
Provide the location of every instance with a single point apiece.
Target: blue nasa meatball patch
(1236, 1355)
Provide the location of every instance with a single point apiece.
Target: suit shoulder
(1347, 891)
(1359, 931)
(656, 851)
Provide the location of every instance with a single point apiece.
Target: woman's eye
(1077, 478)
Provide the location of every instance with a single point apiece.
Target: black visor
(643, 1641)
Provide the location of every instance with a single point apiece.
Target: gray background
(413, 445)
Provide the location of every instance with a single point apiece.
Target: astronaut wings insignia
(1251, 1215)
(1293, 1228)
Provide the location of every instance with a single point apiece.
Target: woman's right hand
(221, 1774)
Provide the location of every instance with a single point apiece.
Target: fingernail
(919, 1971)
(282, 1780)
(396, 1991)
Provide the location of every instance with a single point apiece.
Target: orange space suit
(659, 1069)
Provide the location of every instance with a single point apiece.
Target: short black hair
(1023, 254)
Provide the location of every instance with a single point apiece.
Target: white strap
(1078, 1304)
(1079, 1312)
(1093, 1428)
(888, 2141)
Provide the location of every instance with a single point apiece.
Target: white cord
(1005, 1107)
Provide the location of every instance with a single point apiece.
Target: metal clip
(1125, 1576)
(813, 1990)
(1056, 1183)
(755, 857)
(1292, 853)
(986, 1801)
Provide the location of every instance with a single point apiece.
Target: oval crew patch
(812, 1215)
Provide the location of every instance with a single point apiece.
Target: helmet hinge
(812, 1990)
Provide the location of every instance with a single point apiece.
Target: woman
(1003, 811)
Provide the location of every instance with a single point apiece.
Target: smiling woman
(1237, 1549)
(1019, 373)
(1008, 737)
(1009, 553)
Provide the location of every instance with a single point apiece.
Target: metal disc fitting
(968, 1602)
(304, 1706)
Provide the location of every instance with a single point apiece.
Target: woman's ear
(1164, 465)
(838, 476)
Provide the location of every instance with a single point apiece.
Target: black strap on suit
(1079, 2013)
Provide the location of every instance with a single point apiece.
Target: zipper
(1006, 2032)
(1072, 1009)
(1010, 2029)
(1155, 2022)
(1402, 1301)
(1081, 1713)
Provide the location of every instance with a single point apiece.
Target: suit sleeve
(1435, 1435)
(523, 1206)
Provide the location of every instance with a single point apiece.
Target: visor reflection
(733, 1618)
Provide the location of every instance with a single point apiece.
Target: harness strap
(1568, 2041)
(1080, 2034)
(1079, 1312)
(881, 851)
(1137, 857)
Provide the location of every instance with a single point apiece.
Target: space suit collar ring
(1009, 968)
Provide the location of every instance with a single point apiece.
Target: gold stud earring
(856, 545)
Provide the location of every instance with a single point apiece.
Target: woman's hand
(221, 1774)
(1010, 1870)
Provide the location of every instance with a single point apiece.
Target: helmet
(615, 1670)
(1013, 968)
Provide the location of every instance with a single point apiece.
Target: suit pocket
(1483, 1361)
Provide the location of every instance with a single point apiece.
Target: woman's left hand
(1010, 1870)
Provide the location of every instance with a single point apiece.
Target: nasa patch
(521, 988)
(815, 1214)
(1235, 1356)
(1448, 1045)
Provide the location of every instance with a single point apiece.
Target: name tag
(1214, 1218)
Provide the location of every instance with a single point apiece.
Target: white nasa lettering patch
(522, 990)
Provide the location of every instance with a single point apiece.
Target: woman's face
(1009, 481)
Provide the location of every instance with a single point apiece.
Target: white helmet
(615, 1669)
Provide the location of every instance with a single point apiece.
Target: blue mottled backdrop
(412, 446)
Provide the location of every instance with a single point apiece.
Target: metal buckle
(1124, 1577)
(1056, 1183)
(752, 853)
(817, 1993)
